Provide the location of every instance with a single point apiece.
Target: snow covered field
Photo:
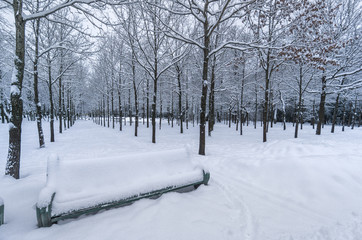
(285, 189)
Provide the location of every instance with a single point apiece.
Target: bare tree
(21, 18)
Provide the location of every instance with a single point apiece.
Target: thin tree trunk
(266, 97)
(153, 113)
(202, 142)
(36, 78)
(61, 93)
(119, 88)
(187, 102)
(180, 114)
(129, 107)
(313, 116)
(350, 114)
(148, 102)
(212, 97)
(343, 116)
(108, 109)
(68, 106)
(300, 92)
(160, 123)
(354, 114)
(112, 101)
(143, 104)
(242, 96)
(321, 105)
(256, 102)
(335, 113)
(50, 85)
(172, 109)
(104, 110)
(64, 109)
(135, 93)
(2, 108)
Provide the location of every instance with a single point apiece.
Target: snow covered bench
(87, 186)
(1, 211)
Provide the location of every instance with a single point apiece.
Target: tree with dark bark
(21, 18)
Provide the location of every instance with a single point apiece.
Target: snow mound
(82, 183)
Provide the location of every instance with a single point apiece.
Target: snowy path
(306, 188)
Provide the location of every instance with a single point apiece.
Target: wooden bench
(77, 187)
(1, 211)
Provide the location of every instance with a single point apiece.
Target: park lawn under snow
(289, 189)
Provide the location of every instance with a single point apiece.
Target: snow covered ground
(285, 189)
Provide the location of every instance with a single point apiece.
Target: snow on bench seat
(86, 183)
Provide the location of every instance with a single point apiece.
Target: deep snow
(288, 189)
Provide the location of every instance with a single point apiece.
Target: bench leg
(1, 215)
(44, 217)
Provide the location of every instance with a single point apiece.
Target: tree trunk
(13, 158)
(241, 118)
(148, 103)
(266, 97)
(108, 110)
(205, 68)
(172, 108)
(350, 114)
(68, 107)
(153, 113)
(64, 109)
(129, 107)
(60, 104)
(299, 107)
(112, 100)
(2, 100)
(2, 112)
(187, 102)
(343, 116)
(143, 104)
(271, 109)
(229, 118)
(321, 106)
(354, 113)
(212, 98)
(50, 86)
(180, 114)
(193, 111)
(119, 88)
(335, 113)
(256, 102)
(36, 79)
(160, 115)
(61, 93)
(313, 117)
(135, 93)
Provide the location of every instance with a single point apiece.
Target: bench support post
(1, 214)
(44, 214)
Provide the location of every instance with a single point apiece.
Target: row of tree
(203, 61)
(260, 56)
